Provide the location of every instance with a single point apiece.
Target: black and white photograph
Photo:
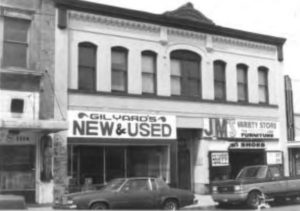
(150, 105)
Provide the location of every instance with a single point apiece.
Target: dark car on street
(129, 193)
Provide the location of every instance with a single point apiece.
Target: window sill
(171, 98)
(20, 71)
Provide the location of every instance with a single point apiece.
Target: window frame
(244, 69)
(153, 55)
(222, 82)
(185, 77)
(265, 70)
(92, 67)
(24, 44)
(123, 70)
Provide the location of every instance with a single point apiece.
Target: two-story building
(26, 99)
(169, 95)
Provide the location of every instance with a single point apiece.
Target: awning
(45, 126)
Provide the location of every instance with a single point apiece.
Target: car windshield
(253, 172)
(114, 184)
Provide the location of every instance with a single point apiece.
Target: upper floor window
(87, 66)
(263, 85)
(119, 69)
(242, 82)
(148, 72)
(15, 43)
(185, 73)
(220, 80)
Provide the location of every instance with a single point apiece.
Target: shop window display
(99, 164)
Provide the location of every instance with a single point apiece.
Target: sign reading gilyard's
(241, 129)
(95, 124)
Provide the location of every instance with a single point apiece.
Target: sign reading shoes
(93, 124)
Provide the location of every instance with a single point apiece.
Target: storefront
(241, 143)
(103, 146)
(26, 159)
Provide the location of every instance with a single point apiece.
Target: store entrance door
(241, 158)
(184, 169)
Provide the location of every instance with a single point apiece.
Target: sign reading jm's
(241, 129)
(93, 124)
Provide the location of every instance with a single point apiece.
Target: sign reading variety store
(241, 129)
(94, 124)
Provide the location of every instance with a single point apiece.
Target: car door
(136, 194)
(274, 184)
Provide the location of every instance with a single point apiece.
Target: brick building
(27, 98)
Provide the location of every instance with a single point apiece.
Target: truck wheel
(99, 206)
(254, 199)
(170, 204)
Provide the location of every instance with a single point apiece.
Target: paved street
(288, 206)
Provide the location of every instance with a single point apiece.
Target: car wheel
(254, 199)
(99, 206)
(170, 204)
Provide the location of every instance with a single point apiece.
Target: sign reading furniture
(240, 129)
(94, 124)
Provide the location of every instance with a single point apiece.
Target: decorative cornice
(116, 22)
(243, 43)
(186, 33)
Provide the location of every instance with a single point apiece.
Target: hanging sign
(219, 159)
(241, 129)
(94, 124)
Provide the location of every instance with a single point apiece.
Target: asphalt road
(289, 205)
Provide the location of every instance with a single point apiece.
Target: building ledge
(50, 126)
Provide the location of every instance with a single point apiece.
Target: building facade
(26, 99)
(172, 95)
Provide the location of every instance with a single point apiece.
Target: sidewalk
(204, 201)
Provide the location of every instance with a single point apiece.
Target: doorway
(241, 158)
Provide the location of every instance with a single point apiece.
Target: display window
(90, 167)
(17, 170)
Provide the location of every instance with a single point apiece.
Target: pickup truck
(254, 185)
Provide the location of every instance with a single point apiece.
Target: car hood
(238, 181)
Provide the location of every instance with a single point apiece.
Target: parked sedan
(130, 193)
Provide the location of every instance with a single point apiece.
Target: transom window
(87, 66)
(185, 73)
(119, 69)
(15, 42)
(263, 85)
(242, 82)
(219, 80)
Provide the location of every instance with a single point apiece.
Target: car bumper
(65, 206)
(230, 197)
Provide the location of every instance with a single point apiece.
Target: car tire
(254, 199)
(99, 206)
(170, 204)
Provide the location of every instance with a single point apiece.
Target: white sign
(274, 158)
(94, 124)
(241, 129)
(219, 159)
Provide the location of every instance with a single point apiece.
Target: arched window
(185, 73)
(220, 80)
(148, 72)
(119, 66)
(263, 85)
(87, 66)
(242, 82)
